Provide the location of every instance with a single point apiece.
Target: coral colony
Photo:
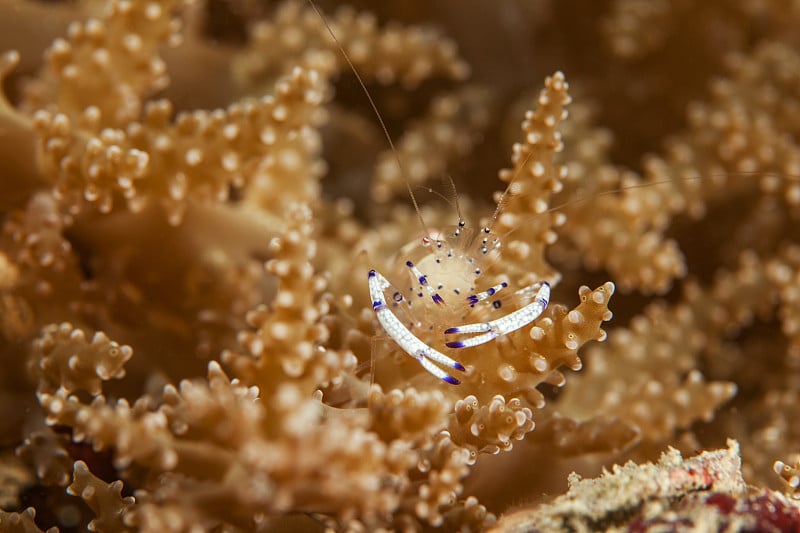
(222, 310)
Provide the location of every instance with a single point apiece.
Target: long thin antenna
(453, 193)
(612, 192)
(436, 193)
(377, 114)
(506, 195)
(645, 185)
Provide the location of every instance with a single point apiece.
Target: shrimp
(447, 308)
(445, 283)
(451, 270)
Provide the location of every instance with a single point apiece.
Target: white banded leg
(491, 291)
(409, 342)
(423, 281)
(506, 324)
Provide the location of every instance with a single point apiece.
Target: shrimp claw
(408, 342)
(513, 321)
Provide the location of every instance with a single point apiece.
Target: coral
(789, 474)
(532, 181)
(169, 158)
(114, 59)
(296, 35)
(703, 493)
(23, 522)
(65, 360)
(15, 478)
(46, 452)
(194, 192)
(104, 499)
(449, 130)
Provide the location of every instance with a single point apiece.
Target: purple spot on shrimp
(472, 299)
(437, 299)
(371, 274)
(497, 304)
(491, 291)
(454, 344)
(377, 305)
(409, 264)
(451, 380)
(397, 297)
(423, 280)
(459, 366)
(504, 284)
(448, 331)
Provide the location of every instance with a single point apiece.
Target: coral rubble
(704, 493)
(193, 193)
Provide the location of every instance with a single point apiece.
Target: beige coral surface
(193, 193)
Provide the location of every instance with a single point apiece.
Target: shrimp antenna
(617, 190)
(436, 193)
(450, 197)
(506, 196)
(377, 114)
(447, 179)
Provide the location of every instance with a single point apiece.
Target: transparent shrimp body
(444, 306)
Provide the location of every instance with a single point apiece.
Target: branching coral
(447, 132)
(296, 35)
(186, 332)
(104, 499)
(23, 522)
(201, 154)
